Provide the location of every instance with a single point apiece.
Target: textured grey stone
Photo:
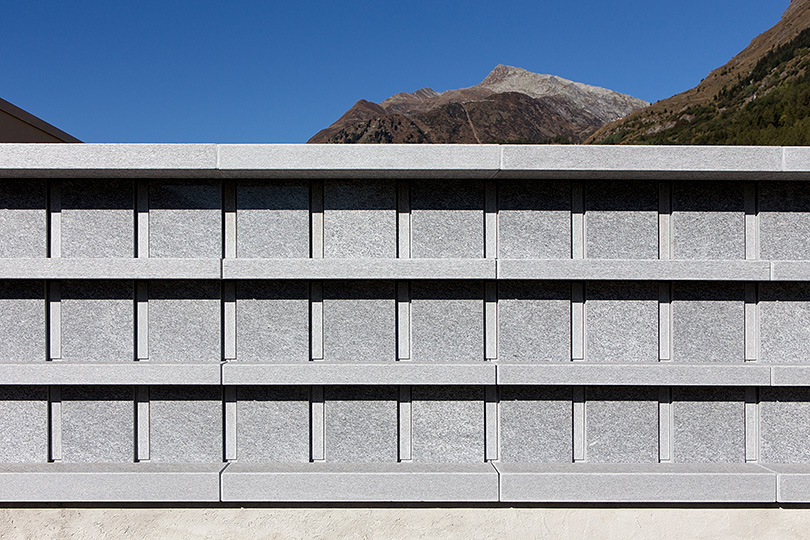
(360, 423)
(784, 321)
(534, 220)
(447, 424)
(621, 220)
(24, 424)
(184, 321)
(638, 269)
(360, 219)
(790, 271)
(359, 321)
(784, 425)
(708, 322)
(98, 321)
(22, 321)
(621, 321)
(534, 321)
(447, 321)
(793, 482)
(447, 219)
(185, 424)
(272, 219)
(536, 424)
(23, 220)
(106, 373)
(98, 219)
(110, 268)
(784, 220)
(622, 425)
(708, 220)
(352, 269)
(272, 321)
(185, 219)
(98, 424)
(272, 424)
(708, 425)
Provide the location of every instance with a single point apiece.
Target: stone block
(184, 321)
(784, 321)
(708, 220)
(98, 424)
(534, 220)
(622, 424)
(359, 321)
(23, 219)
(534, 321)
(98, 321)
(536, 424)
(447, 219)
(272, 424)
(272, 219)
(621, 321)
(272, 321)
(621, 220)
(708, 321)
(360, 219)
(24, 421)
(186, 424)
(22, 321)
(185, 219)
(447, 321)
(98, 219)
(447, 424)
(784, 220)
(708, 425)
(360, 423)
(784, 425)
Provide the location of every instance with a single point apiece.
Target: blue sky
(265, 71)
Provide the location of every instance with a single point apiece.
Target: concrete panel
(360, 424)
(638, 270)
(185, 219)
(98, 424)
(709, 425)
(272, 424)
(784, 321)
(23, 220)
(447, 321)
(24, 421)
(98, 219)
(98, 321)
(792, 483)
(534, 321)
(621, 220)
(621, 321)
(622, 425)
(22, 321)
(272, 219)
(708, 322)
(784, 220)
(536, 424)
(784, 425)
(272, 321)
(534, 220)
(186, 424)
(359, 321)
(708, 220)
(447, 219)
(184, 321)
(352, 269)
(448, 424)
(360, 219)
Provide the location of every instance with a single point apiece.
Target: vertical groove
(751, 424)
(405, 430)
(751, 322)
(491, 423)
(317, 424)
(665, 425)
(55, 219)
(403, 320)
(229, 320)
(490, 220)
(751, 221)
(578, 220)
(230, 423)
(142, 423)
(578, 321)
(403, 219)
(55, 320)
(665, 225)
(142, 319)
(491, 320)
(579, 429)
(55, 424)
(316, 219)
(142, 218)
(665, 321)
(316, 320)
(229, 218)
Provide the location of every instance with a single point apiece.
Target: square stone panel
(621, 321)
(24, 424)
(784, 425)
(22, 321)
(447, 219)
(447, 321)
(98, 424)
(708, 322)
(536, 424)
(184, 321)
(621, 424)
(534, 321)
(272, 219)
(98, 321)
(621, 220)
(709, 425)
(23, 219)
(272, 321)
(360, 219)
(272, 423)
(98, 219)
(784, 321)
(447, 424)
(186, 424)
(185, 219)
(360, 423)
(708, 220)
(359, 321)
(534, 219)
(784, 220)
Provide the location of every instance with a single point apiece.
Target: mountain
(760, 97)
(509, 105)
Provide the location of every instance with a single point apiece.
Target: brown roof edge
(38, 123)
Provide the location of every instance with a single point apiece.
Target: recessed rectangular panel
(447, 424)
(447, 321)
(621, 424)
(186, 424)
(536, 424)
(534, 319)
(784, 220)
(98, 424)
(24, 424)
(22, 321)
(272, 321)
(784, 322)
(447, 219)
(272, 219)
(98, 321)
(23, 219)
(708, 321)
(709, 425)
(621, 321)
(534, 220)
(184, 321)
(621, 220)
(272, 424)
(360, 219)
(359, 321)
(185, 219)
(360, 423)
(784, 425)
(98, 219)
(708, 220)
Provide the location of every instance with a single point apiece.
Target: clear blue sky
(266, 71)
